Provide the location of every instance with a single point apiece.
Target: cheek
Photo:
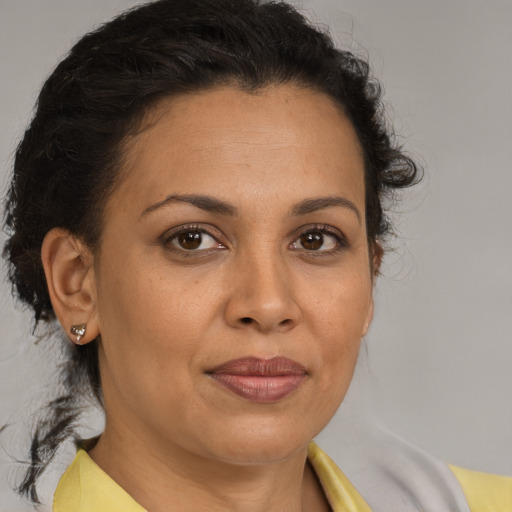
(152, 318)
(339, 305)
(149, 341)
(338, 316)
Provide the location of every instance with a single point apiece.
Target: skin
(167, 315)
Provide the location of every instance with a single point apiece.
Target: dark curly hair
(70, 156)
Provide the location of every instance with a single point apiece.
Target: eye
(191, 239)
(319, 239)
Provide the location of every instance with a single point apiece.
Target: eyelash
(174, 233)
(323, 229)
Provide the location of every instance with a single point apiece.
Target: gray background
(439, 354)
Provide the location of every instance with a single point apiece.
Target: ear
(377, 252)
(69, 269)
(376, 259)
(369, 317)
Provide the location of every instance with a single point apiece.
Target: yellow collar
(340, 493)
(85, 487)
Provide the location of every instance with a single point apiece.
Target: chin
(263, 443)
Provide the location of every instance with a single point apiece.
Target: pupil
(190, 240)
(312, 241)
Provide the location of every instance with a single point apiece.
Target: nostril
(246, 320)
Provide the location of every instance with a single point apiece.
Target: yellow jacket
(84, 487)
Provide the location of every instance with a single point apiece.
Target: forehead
(226, 140)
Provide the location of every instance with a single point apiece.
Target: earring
(78, 330)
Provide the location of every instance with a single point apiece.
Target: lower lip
(259, 388)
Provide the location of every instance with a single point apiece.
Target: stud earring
(78, 330)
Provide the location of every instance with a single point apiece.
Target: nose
(263, 295)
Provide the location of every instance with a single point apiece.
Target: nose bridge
(263, 294)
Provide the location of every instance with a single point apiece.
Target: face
(233, 283)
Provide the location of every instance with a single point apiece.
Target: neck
(159, 474)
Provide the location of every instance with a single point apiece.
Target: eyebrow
(213, 205)
(207, 203)
(320, 203)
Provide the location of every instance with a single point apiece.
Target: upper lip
(256, 366)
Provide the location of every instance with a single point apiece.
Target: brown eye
(189, 240)
(320, 240)
(312, 241)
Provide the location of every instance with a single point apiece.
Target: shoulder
(84, 487)
(485, 492)
(390, 473)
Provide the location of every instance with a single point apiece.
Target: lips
(260, 380)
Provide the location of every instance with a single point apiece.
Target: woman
(198, 202)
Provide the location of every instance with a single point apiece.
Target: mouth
(260, 380)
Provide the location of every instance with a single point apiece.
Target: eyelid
(326, 229)
(166, 238)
